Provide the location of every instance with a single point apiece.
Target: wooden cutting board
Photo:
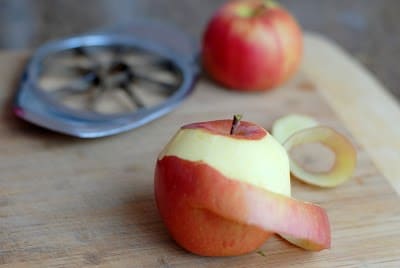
(67, 202)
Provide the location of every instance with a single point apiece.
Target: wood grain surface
(67, 202)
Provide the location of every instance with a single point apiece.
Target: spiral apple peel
(295, 130)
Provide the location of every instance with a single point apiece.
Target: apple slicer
(107, 82)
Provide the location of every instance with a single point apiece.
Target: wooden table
(66, 202)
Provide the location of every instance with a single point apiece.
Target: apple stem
(235, 123)
(270, 4)
(259, 10)
(265, 5)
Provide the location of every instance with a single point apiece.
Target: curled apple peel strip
(286, 126)
(311, 221)
(295, 130)
(305, 224)
(345, 156)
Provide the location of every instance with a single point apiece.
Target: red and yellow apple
(223, 194)
(252, 45)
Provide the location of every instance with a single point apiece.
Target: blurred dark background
(369, 30)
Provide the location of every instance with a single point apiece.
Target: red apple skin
(181, 189)
(211, 215)
(252, 53)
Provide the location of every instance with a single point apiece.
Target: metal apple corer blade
(107, 82)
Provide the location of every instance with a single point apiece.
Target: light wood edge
(362, 103)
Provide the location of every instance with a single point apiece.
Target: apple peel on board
(294, 130)
(222, 194)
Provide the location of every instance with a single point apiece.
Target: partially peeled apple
(223, 189)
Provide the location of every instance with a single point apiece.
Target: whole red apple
(222, 189)
(252, 45)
